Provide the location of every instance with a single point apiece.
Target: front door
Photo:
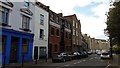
(35, 52)
(50, 50)
(13, 49)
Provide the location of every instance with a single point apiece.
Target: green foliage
(113, 22)
(116, 48)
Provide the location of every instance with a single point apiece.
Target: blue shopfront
(16, 45)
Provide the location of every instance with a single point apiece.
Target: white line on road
(90, 58)
(84, 60)
(74, 63)
(67, 65)
(108, 65)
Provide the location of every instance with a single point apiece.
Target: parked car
(99, 53)
(105, 55)
(84, 54)
(71, 55)
(61, 57)
(77, 55)
(89, 52)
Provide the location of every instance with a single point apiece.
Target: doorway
(14, 49)
(35, 52)
(50, 50)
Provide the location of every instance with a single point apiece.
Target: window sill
(57, 36)
(28, 30)
(3, 24)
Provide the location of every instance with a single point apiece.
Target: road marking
(67, 65)
(91, 58)
(75, 63)
(84, 60)
(108, 65)
(78, 62)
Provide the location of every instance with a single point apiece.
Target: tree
(113, 23)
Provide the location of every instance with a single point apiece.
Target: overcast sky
(90, 12)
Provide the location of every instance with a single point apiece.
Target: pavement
(115, 61)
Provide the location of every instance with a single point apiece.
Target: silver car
(105, 55)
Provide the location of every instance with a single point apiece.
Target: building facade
(54, 33)
(41, 23)
(16, 31)
(66, 35)
(76, 31)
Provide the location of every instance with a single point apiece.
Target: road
(93, 61)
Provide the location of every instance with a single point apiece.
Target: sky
(91, 13)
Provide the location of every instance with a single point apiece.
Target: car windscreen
(104, 53)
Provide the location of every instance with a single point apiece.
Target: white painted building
(41, 18)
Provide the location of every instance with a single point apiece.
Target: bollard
(36, 57)
(22, 60)
(46, 58)
(35, 60)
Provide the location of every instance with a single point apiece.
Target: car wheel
(64, 60)
(53, 61)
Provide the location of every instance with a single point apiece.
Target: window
(41, 34)
(25, 22)
(76, 25)
(73, 23)
(52, 16)
(69, 26)
(73, 31)
(57, 32)
(25, 45)
(66, 35)
(76, 33)
(69, 36)
(56, 47)
(57, 20)
(41, 19)
(52, 31)
(1, 17)
(4, 15)
(26, 3)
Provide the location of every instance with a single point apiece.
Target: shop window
(25, 43)
(42, 52)
(3, 42)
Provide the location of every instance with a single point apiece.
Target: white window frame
(41, 19)
(25, 25)
(4, 15)
(41, 36)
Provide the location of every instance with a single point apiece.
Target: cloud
(92, 24)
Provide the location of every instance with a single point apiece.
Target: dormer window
(26, 3)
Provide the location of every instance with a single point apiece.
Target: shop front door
(13, 49)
